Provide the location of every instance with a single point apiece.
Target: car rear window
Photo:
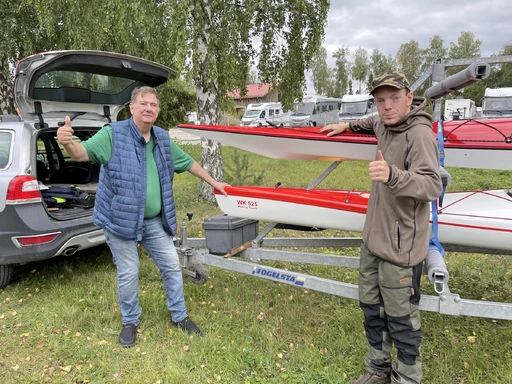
(109, 85)
(5, 148)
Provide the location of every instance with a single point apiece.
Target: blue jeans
(160, 248)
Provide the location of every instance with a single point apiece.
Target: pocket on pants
(396, 288)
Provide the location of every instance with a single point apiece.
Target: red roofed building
(256, 93)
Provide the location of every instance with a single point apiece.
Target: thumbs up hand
(65, 133)
(379, 169)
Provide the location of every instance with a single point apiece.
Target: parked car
(91, 87)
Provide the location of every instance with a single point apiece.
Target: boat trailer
(247, 257)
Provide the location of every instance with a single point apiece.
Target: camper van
(354, 107)
(497, 103)
(459, 109)
(316, 111)
(265, 114)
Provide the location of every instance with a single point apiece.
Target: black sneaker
(127, 335)
(188, 325)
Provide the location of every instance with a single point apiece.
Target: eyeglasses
(394, 99)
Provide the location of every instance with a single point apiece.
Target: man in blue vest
(135, 205)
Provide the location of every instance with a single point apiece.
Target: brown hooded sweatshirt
(397, 220)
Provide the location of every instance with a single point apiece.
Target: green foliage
(467, 46)
(341, 72)
(238, 172)
(435, 51)
(501, 76)
(378, 64)
(320, 72)
(409, 59)
(177, 100)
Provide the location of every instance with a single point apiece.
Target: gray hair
(141, 91)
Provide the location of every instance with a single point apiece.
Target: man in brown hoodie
(405, 179)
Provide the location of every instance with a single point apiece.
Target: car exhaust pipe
(70, 251)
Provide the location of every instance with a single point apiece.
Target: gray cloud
(386, 24)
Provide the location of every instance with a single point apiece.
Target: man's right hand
(335, 129)
(65, 133)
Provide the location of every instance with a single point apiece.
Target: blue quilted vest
(121, 193)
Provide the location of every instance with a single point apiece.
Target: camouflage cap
(393, 79)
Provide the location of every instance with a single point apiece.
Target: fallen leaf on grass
(186, 348)
(67, 368)
(466, 365)
(15, 368)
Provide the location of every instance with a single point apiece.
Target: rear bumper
(32, 220)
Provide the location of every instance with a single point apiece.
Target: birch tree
(342, 72)
(320, 75)
(360, 68)
(409, 59)
(221, 36)
(378, 64)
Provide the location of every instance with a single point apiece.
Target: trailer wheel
(6, 274)
(200, 271)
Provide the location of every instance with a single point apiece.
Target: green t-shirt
(99, 150)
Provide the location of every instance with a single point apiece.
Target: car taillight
(22, 190)
(36, 240)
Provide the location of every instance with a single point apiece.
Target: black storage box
(223, 232)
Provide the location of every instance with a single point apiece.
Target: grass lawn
(59, 319)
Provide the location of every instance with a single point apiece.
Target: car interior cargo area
(67, 186)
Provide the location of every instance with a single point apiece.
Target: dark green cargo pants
(389, 296)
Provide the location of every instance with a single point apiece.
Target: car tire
(6, 274)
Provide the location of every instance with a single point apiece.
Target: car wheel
(200, 270)
(6, 273)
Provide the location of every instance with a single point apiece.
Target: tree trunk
(6, 102)
(207, 97)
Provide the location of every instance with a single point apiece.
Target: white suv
(89, 86)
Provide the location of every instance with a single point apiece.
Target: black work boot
(370, 378)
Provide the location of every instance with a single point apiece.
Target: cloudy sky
(386, 24)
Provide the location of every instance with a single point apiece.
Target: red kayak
(485, 144)
(475, 218)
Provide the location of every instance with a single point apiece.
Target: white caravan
(265, 114)
(459, 109)
(316, 111)
(354, 107)
(497, 103)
